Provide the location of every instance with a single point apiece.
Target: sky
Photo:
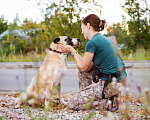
(24, 9)
(27, 9)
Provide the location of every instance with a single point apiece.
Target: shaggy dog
(48, 75)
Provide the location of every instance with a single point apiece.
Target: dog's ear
(56, 40)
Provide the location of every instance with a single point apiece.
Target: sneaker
(114, 103)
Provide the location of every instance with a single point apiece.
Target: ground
(132, 107)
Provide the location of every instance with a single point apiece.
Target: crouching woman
(101, 70)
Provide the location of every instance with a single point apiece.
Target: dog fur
(50, 74)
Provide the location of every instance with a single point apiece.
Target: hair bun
(95, 22)
(102, 24)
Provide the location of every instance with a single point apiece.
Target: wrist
(71, 50)
(74, 52)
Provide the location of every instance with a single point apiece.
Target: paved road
(70, 64)
(18, 79)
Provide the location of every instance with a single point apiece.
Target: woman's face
(84, 31)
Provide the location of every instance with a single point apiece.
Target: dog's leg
(23, 96)
(59, 91)
(48, 94)
(60, 95)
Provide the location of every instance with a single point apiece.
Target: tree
(138, 25)
(117, 30)
(38, 37)
(3, 24)
(64, 18)
(26, 38)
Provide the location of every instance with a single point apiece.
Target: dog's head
(64, 40)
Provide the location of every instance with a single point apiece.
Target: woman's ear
(56, 40)
(88, 26)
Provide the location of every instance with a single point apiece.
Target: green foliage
(121, 34)
(61, 19)
(138, 25)
(65, 18)
(30, 37)
(135, 32)
(91, 112)
(3, 24)
(12, 43)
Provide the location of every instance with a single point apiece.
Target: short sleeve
(90, 46)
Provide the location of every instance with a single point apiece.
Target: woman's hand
(84, 64)
(66, 48)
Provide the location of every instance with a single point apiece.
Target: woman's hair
(95, 22)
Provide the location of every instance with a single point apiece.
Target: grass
(22, 58)
(141, 54)
(27, 58)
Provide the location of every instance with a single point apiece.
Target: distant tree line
(64, 18)
(3, 24)
(135, 32)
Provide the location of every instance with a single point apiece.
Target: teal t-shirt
(106, 55)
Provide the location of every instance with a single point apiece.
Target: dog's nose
(78, 39)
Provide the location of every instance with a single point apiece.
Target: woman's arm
(85, 63)
(92, 66)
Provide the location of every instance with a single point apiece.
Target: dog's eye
(68, 39)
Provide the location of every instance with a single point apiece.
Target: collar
(56, 51)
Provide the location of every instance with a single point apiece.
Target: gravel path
(133, 109)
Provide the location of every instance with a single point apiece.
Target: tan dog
(48, 75)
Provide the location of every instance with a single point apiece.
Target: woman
(102, 60)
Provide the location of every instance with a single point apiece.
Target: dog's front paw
(18, 101)
(17, 106)
(63, 102)
(56, 101)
